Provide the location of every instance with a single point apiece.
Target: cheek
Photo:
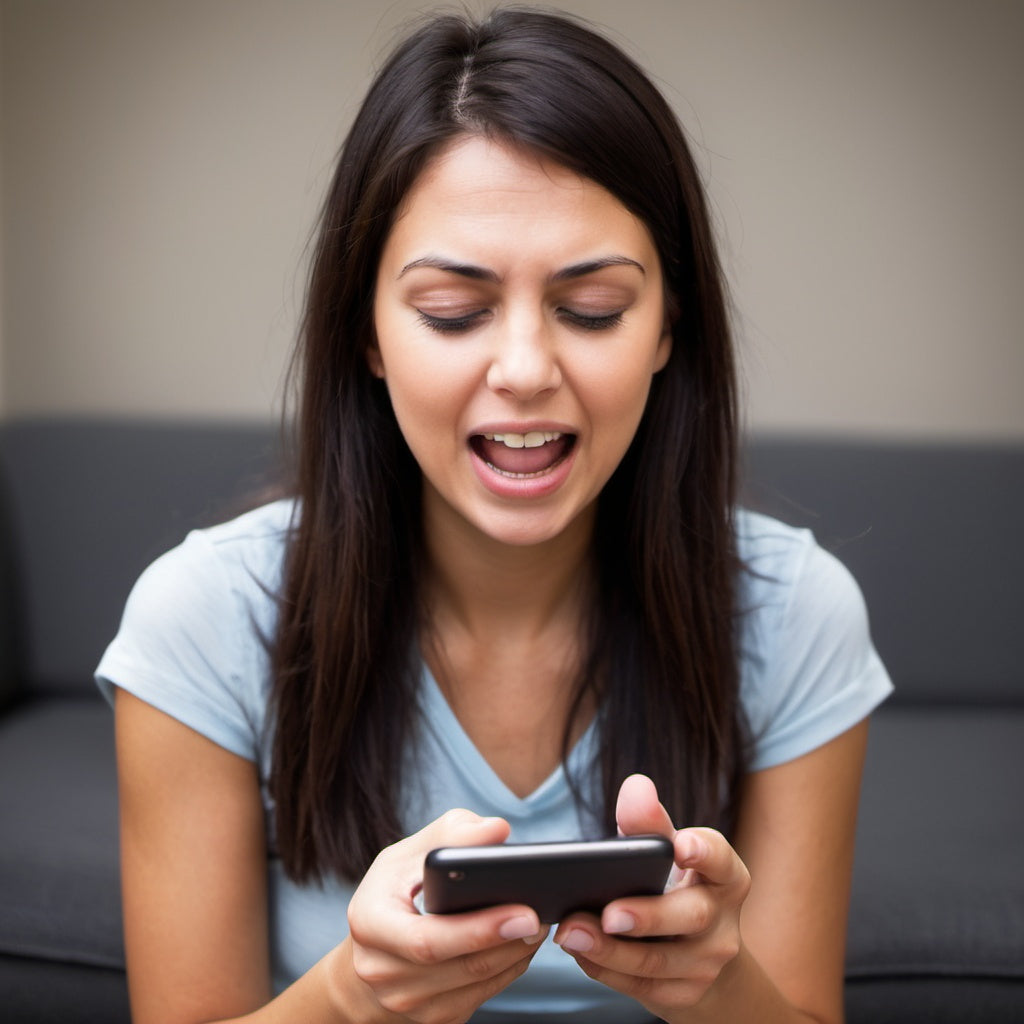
(412, 396)
(419, 416)
(616, 390)
(428, 389)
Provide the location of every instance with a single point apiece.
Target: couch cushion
(59, 888)
(40, 992)
(934, 1001)
(941, 805)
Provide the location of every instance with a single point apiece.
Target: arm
(193, 865)
(783, 961)
(796, 833)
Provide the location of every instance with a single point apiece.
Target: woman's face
(519, 319)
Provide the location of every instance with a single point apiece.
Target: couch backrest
(934, 535)
(11, 631)
(91, 503)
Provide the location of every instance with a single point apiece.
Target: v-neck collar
(477, 771)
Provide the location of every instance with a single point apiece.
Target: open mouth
(522, 456)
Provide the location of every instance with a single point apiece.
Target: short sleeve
(809, 670)
(193, 638)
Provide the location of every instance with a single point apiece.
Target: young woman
(513, 580)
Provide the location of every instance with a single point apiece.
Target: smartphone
(554, 879)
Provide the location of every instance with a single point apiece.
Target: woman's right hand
(399, 965)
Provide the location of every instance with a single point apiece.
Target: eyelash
(457, 325)
(447, 325)
(604, 322)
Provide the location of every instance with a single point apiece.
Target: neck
(485, 588)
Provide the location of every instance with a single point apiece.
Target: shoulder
(770, 548)
(254, 541)
(785, 572)
(808, 668)
(196, 629)
(243, 556)
(218, 579)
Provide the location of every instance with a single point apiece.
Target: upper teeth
(533, 439)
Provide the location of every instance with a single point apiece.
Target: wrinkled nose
(524, 365)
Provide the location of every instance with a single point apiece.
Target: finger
(381, 913)
(391, 975)
(712, 877)
(654, 993)
(433, 939)
(687, 911)
(398, 870)
(457, 827)
(653, 960)
(427, 940)
(459, 1003)
(638, 810)
(460, 827)
(676, 972)
(709, 854)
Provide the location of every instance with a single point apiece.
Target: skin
(509, 571)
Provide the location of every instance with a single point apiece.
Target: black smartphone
(554, 879)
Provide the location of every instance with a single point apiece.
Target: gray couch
(932, 532)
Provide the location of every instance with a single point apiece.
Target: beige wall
(164, 159)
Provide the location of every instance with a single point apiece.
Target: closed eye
(588, 322)
(451, 324)
(460, 324)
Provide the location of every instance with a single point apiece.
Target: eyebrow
(484, 274)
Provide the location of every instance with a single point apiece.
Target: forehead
(488, 194)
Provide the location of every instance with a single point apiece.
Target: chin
(524, 529)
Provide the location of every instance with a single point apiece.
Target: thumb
(460, 827)
(404, 860)
(639, 811)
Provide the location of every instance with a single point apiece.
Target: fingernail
(532, 940)
(518, 928)
(618, 921)
(578, 941)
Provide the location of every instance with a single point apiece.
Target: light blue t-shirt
(193, 643)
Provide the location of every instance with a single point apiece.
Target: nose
(524, 364)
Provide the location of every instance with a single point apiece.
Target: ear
(664, 349)
(374, 360)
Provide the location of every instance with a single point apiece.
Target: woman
(511, 579)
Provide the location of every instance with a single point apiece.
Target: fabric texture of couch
(930, 531)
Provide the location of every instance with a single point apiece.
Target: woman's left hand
(667, 952)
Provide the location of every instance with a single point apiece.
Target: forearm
(745, 994)
(329, 993)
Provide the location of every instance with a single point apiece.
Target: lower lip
(524, 487)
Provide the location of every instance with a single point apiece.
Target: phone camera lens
(456, 876)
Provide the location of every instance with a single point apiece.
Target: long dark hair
(660, 656)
